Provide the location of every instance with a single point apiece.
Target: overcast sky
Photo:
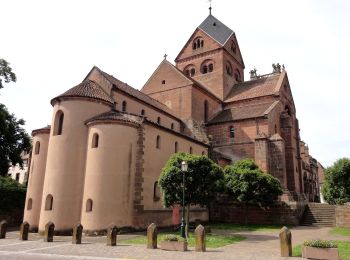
(52, 45)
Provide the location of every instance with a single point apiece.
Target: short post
(152, 234)
(200, 238)
(3, 229)
(49, 231)
(112, 235)
(285, 242)
(77, 234)
(23, 231)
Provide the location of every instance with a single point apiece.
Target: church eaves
(115, 115)
(216, 29)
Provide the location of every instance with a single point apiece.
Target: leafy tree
(247, 184)
(202, 181)
(336, 189)
(6, 73)
(12, 193)
(13, 140)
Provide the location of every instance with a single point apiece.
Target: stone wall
(279, 214)
(342, 216)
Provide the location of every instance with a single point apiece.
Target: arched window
(124, 106)
(232, 131)
(95, 139)
(29, 204)
(191, 150)
(229, 68)
(238, 76)
(193, 72)
(163, 82)
(207, 66)
(158, 142)
(156, 193)
(58, 127)
(172, 126)
(233, 47)
(158, 120)
(89, 205)
(49, 202)
(37, 147)
(190, 70)
(197, 43)
(206, 110)
(176, 147)
(143, 112)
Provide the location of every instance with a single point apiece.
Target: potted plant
(173, 243)
(320, 249)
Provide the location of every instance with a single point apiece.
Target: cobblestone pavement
(258, 246)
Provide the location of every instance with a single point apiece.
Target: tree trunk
(187, 219)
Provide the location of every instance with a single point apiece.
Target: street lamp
(184, 167)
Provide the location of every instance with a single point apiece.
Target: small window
(158, 142)
(207, 66)
(229, 68)
(191, 150)
(17, 176)
(176, 147)
(58, 127)
(233, 47)
(37, 148)
(143, 112)
(163, 81)
(29, 204)
(124, 106)
(158, 120)
(193, 72)
(205, 69)
(237, 76)
(156, 193)
(172, 126)
(232, 132)
(210, 67)
(197, 43)
(190, 70)
(49, 202)
(89, 205)
(95, 140)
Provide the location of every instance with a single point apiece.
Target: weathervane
(209, 6)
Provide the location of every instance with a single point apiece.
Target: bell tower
(212, 57)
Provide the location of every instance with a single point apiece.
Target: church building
(99, 161)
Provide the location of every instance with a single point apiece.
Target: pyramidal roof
(216, 29)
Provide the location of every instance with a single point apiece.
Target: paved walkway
(258, 246)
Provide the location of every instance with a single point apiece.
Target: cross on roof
(165, 55)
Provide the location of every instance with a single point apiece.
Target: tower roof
(216, 29)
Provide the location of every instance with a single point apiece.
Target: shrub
(12, 195)
(174, 238)
(320, 243)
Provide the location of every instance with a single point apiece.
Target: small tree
(6, 73)
(336, 189)
(247, 184)
(202, 181)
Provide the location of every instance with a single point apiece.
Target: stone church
(99, 161)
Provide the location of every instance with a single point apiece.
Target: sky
(52, 45)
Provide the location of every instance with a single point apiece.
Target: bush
(173, 238)
(12, 194)
(320, 243)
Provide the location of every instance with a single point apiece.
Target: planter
(320, 253)
(173, 245)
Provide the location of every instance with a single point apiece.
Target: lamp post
(184, 167)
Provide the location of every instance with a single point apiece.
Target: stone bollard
(286, 242)
(49, 231)
(23, 231)
(200, 238)
(77, 234)
(152, 233)
(3, 229)
(112, 235)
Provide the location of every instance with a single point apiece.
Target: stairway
(318, 214)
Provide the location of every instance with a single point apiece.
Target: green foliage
(247, 184)
(6, 73)
(320, 243)
(12, 193)
(172, 237)
(13, 140)
(202, 180)
(336, 189)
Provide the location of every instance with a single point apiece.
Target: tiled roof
(138, 94)
(115, 115)
(87, 88)
(242, 112)
(216, 29)
(45, 129)
(263, 86)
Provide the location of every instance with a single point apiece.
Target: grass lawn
(238, 227)
(212, 240)
(343, 246)
(343, 231)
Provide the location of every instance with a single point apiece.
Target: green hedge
(12, 194)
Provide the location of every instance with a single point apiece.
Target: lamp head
(184, 166)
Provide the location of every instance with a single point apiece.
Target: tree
(12, 196)
(336, 189)
(247, 184)
(6, 73)
(13, 140)
(202, 181)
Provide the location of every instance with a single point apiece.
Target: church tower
(212, 57)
